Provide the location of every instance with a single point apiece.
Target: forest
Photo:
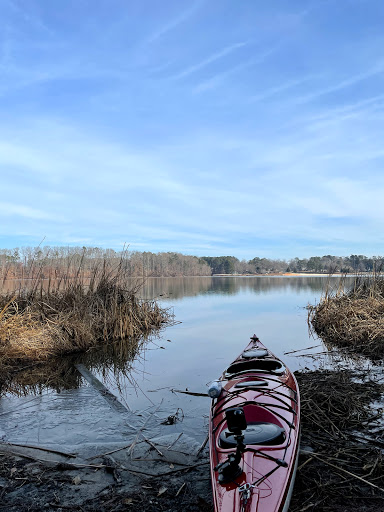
(55, 262)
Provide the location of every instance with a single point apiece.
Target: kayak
(254, 433)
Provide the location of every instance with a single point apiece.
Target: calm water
(217, 315)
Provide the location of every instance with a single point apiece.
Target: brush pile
(44, 320)
(341, 462)
(353, 318)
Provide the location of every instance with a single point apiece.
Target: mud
(139, 479)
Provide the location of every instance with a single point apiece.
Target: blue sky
(207, 127)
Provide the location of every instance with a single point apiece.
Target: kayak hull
(260, 384)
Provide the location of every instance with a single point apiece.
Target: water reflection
(178, 287)
(228, 311)
(60, 374)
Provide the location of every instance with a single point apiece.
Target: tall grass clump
(353, 317)
(46, 318)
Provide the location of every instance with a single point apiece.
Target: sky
(206, 127)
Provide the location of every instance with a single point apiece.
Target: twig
(189, 393)
(185, 468)
(299, 350)
(109, 453)
(175, 441)
(129, 446)
(203, 445)
(304, 463)
(344, 471)
(376, 442)
(181, 488)
(153, 446)
(133, 444)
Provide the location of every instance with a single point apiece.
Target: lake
(215, 318)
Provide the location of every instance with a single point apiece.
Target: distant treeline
(59, 261)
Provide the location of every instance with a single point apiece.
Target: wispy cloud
(31, 18)
(175, 22)
(219, 78)
(8, 209)
(209, 60)
(273, 91)
(377, 69)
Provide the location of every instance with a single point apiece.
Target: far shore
(268, 274)
(284, 274)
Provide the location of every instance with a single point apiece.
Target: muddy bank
(140, 479)
(340, 466)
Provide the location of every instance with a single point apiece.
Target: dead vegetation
(341, 462)
(352, 318)
(50, 318)
(340, 465)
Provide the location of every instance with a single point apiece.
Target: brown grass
(340, 453)
(45, 320)
(352, 318)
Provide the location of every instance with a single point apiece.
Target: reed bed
(47, 319)
(341, 462)
(353, 318)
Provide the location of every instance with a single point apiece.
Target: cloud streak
(209, 60)
(175, 22)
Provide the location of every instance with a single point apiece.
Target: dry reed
(341, 463)
(352, 318)
(47, 319)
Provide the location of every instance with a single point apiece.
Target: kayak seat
(250, 354)
(249, 384)
(259, 433)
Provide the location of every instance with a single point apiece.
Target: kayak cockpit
(272, 366)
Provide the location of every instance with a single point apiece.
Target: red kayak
(254, 433)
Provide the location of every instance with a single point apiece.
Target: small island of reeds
(352, 317)
(44, 318)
